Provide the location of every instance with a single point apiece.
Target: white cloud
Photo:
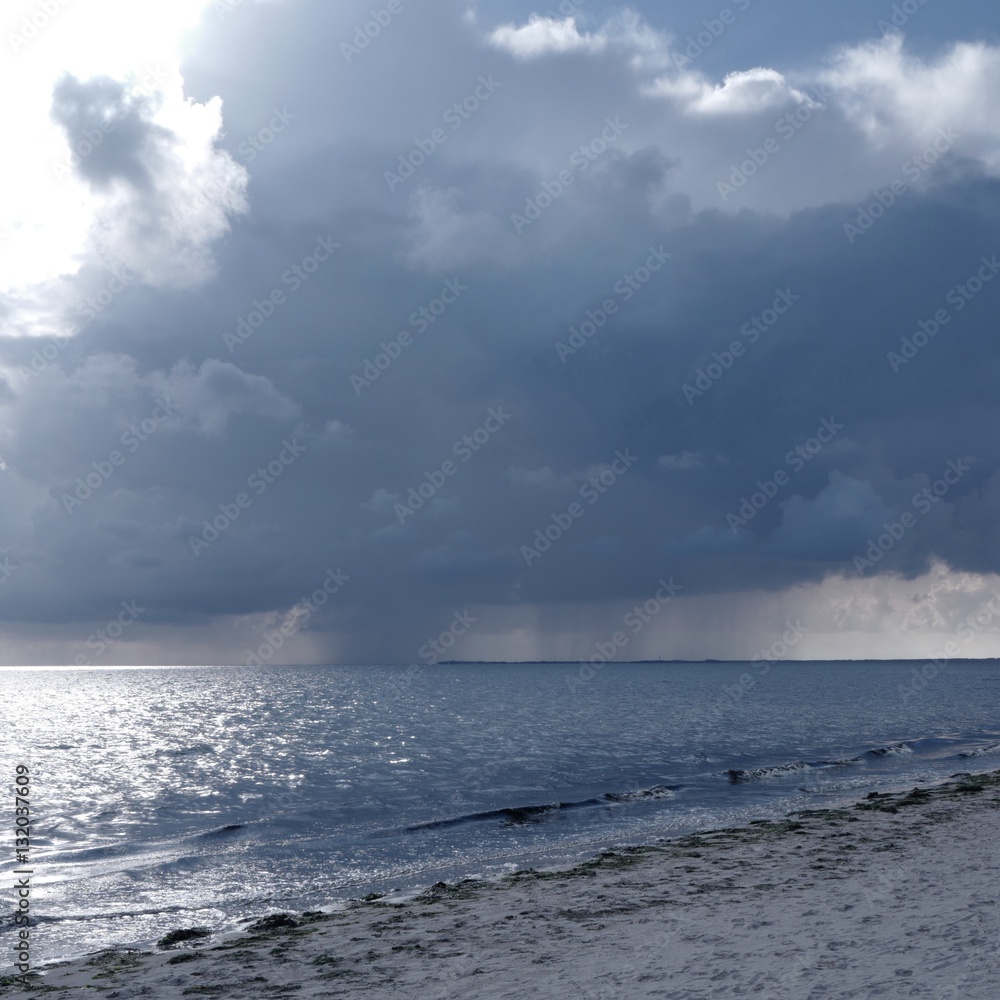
(889, 94)
(742, 93)
(874, 105)
(546, 35)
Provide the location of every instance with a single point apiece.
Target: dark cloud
(738, 484)
(109, 132)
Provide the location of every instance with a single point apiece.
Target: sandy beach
(894, 896)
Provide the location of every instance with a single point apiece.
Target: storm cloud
(511, 314)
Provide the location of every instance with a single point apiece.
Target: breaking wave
(523, 815)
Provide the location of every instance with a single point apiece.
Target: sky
(392, 333)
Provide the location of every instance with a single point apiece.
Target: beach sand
(895, 896)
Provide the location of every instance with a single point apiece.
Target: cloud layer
(579, 294)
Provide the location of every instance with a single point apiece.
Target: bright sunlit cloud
(115, 166)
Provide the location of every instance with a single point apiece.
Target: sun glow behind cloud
(54, 219)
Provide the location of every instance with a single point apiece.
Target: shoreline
(814, 898)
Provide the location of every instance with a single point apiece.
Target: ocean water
(200, 796)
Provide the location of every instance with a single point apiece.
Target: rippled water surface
(178, 796)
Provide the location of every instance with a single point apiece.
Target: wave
(696, 758)
(98, 917)
(138, 848)
(514, 816)
(981, 751)
(100, 852)
(892, 750)
(194, 750)
(644, 794)
(223, 831)
(739, 775)
(522, 815)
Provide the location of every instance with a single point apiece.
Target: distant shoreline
(622, 663)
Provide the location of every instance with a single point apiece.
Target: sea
(202, 796)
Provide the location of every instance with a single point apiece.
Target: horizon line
(499, 663)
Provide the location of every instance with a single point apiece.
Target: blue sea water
(166, 797)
